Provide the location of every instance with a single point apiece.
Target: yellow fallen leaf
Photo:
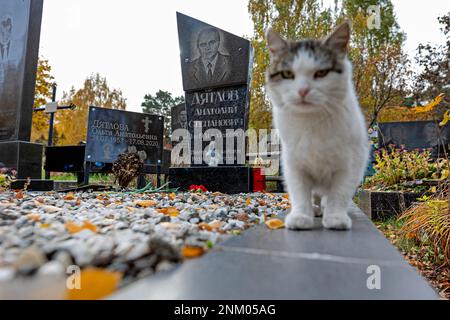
(145, 203)
(72, 227)
(45, 225)
(172, 196)
(95, 284)
(445, 119)
(192, 252)
(171, 211)
(275, 224)
(247, 202)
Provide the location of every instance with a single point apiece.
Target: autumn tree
(434, 77)
(43, 94)
(72, 124)
(161, 104)
(380, 65)
(292, 19)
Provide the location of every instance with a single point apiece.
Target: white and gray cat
(322, 129)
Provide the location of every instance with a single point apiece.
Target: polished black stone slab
(200, 44)
(112, 132)
(265, 264)
(416, 134)
(25, 157)
(235, 179)
(20, 24)
(33, 185)
(65, 158)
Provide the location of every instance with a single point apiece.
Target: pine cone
(127, 167)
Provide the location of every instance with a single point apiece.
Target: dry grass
(429, 223)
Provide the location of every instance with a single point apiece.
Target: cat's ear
(340, 37)
(275, 42)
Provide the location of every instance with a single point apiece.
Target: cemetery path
(284, 264)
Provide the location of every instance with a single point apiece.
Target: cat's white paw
(298, 221)
(337, 222)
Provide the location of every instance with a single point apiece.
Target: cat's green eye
(321, 73)
(287, 74)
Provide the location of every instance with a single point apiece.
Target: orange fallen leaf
(89, 225)
(78, 202)
(95, 284)
(286, 196)
(145, 203)
(19, 195)
(172, 196)
(275, 224)
(204, 226)
(192, 252)
(33, 217)
(72, 227)
(69, 196)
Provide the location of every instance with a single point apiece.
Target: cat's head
(308, 75)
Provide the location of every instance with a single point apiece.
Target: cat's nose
(303, 92)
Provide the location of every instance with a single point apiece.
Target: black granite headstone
(211, 57)
(112, 132)
(216, 68)
(416, 134)
(20, 24)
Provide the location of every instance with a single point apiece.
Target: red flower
(197, 188)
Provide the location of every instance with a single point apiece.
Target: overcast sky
(134, 43)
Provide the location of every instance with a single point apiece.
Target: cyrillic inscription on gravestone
(112, 132)
(218, 116)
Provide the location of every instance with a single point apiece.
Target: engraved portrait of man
(5, 37)
(212, 66)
